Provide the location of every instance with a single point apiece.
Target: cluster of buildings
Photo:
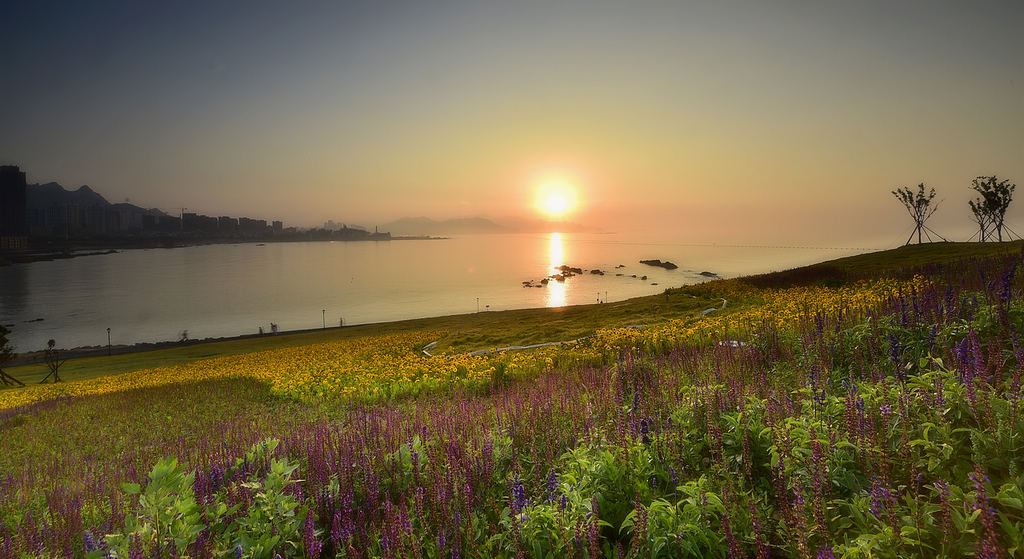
(204, 225)
(13, 204)
(48, 212)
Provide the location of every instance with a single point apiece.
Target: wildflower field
(808, 416)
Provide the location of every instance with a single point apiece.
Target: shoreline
(949, 252)
(73, 250)
(39, 356)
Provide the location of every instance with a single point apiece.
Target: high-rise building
(13, 209)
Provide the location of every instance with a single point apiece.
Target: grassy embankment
(829, 431)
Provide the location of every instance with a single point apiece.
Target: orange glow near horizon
(555, 199)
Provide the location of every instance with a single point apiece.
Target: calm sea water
(226, 290)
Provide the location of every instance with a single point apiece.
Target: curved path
(426, 349)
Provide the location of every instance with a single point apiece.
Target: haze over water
(234, 289)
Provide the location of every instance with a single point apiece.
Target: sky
(744, 122)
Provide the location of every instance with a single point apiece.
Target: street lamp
(108, 342)
(324, 317)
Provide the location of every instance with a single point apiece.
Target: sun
(555, 199)
(556, 205)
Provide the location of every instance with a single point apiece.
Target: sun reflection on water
(556, 290)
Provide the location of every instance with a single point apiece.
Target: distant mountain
(480, 225)
(427, 226)
(43, 196)
(542, 226)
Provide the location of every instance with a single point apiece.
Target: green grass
(898, 261)
(920, 255)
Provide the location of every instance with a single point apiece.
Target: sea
(220, 290)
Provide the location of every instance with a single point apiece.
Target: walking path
(426, 349)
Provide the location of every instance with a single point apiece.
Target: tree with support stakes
(996, 196)
(980, 217)
(6, 355)
(53, 361)
(919, 206)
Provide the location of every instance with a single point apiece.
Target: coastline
(75, 250)
(39, 356)
(874, 264)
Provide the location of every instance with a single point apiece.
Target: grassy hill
(831, 417)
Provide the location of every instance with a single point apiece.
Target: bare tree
(6, 355)
(53, 361)
(996, 196)
(919, 206)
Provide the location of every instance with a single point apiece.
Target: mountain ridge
(50, 194)
(422, 225)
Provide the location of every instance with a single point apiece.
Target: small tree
(53, 361)
(6, 355)
(919, 206)
(980, 217)
(996, 196)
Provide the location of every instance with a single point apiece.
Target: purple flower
(1005, 289)
(881, 498)
(945, 511)
(552, 482)
(518, 495)
(895, 350)
(645, 429)
(987, 545)
(88, 542)
(309, 539)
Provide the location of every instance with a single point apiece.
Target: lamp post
(323, 315)
(108, 342)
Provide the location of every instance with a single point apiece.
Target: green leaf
(1011, 502)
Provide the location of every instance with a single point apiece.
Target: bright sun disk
(555, 199)
(556, 205)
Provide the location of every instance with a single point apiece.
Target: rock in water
(666, 264)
